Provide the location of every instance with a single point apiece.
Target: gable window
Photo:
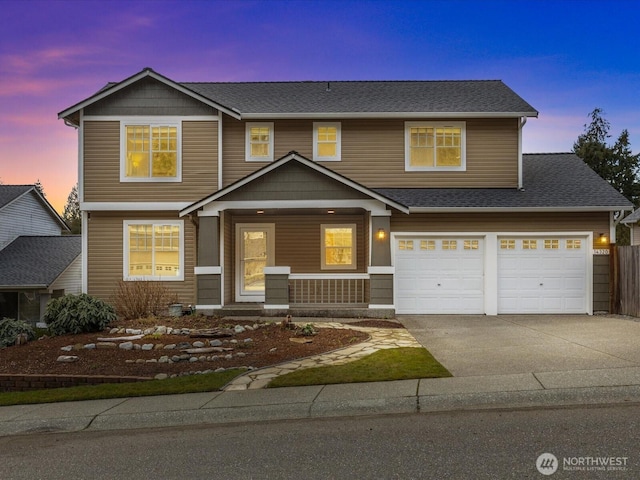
(153, 250)
(338, 247)
(438, 146)
(150, 152)
(259, 142)
(326, 141)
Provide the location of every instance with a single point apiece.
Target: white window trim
(463, 146)
(151, 122)
(338, 156)
(354, 239)
(247, 147)
(125, 250)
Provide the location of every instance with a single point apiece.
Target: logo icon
(547, 464)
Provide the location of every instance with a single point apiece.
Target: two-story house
(36, 261)
(369, 197)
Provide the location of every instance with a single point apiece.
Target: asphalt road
(457, 445)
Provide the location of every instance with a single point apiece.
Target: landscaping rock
(126, 346)
(137, 346)
(198, 344)
(114, 330)
(183, 345)
(68, 348)
(171, 346)
(158, 346)
(239, 329)
(147, 346)
(175, 358)
(106, 345)
(215, 343)
(68, 358)
(161, 376)
(163, 359)
(161, 330)
(133, 331)
(90, 346)
(248, 340)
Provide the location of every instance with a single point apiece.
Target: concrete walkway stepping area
(380, 339)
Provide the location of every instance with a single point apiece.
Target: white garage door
(542, 275)
(439, 275)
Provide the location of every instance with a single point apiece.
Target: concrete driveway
(470, 345)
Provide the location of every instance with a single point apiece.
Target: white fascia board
(512, 209)
(343, 115)
(146, 73)
(375, 207)
(131, 206)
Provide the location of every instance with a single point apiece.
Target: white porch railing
(329, 289)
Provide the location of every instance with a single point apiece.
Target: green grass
(384, 365)
(208, 382)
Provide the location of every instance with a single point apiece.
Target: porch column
(380, 270)
(276, 288)
(208, 270)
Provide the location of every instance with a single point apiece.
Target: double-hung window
(438, 146)
(338, 247)
(150, 151)
(259, 142)
(326, 141)
(153, 250)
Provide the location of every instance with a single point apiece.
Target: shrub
(142, 298)
(11, 328)
(78, 314)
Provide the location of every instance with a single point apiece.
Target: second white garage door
(542, 275)
(439, 275)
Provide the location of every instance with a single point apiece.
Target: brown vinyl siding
(102, 166)
(228, 260)
(596, 222)
(105, 253)
(298, 240)
(373, 153)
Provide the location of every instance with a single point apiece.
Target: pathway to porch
(379, 339)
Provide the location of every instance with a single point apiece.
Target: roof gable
(70, 114)
(9, 194)
(259, 184)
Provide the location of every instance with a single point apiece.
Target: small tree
(71, 213)
(40, 188)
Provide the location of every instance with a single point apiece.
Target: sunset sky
(564, 57)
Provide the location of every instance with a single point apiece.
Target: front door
(254, 251)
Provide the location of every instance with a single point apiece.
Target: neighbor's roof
(633, 218)
(36, 261)
(8, 193)
(11, 193)
(551, 181)
(321, 99)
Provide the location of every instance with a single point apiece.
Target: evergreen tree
(40, 188)
(72, 214)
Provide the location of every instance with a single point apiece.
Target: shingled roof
(344, 97)
(8, 193)
(36, 261)
(322, 99)
(550, 180)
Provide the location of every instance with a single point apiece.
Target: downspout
(220, 114)
(523, 121)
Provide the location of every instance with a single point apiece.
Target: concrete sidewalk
(542, 389)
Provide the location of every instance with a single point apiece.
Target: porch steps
(324, 311)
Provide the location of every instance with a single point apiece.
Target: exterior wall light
(381, 234)
(603, 238)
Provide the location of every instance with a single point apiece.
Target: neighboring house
(374, 198)
(36, 261)
(633, 222)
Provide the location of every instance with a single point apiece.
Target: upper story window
(150, 152)
(326, 141)
(438, 146)
(259, 142)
